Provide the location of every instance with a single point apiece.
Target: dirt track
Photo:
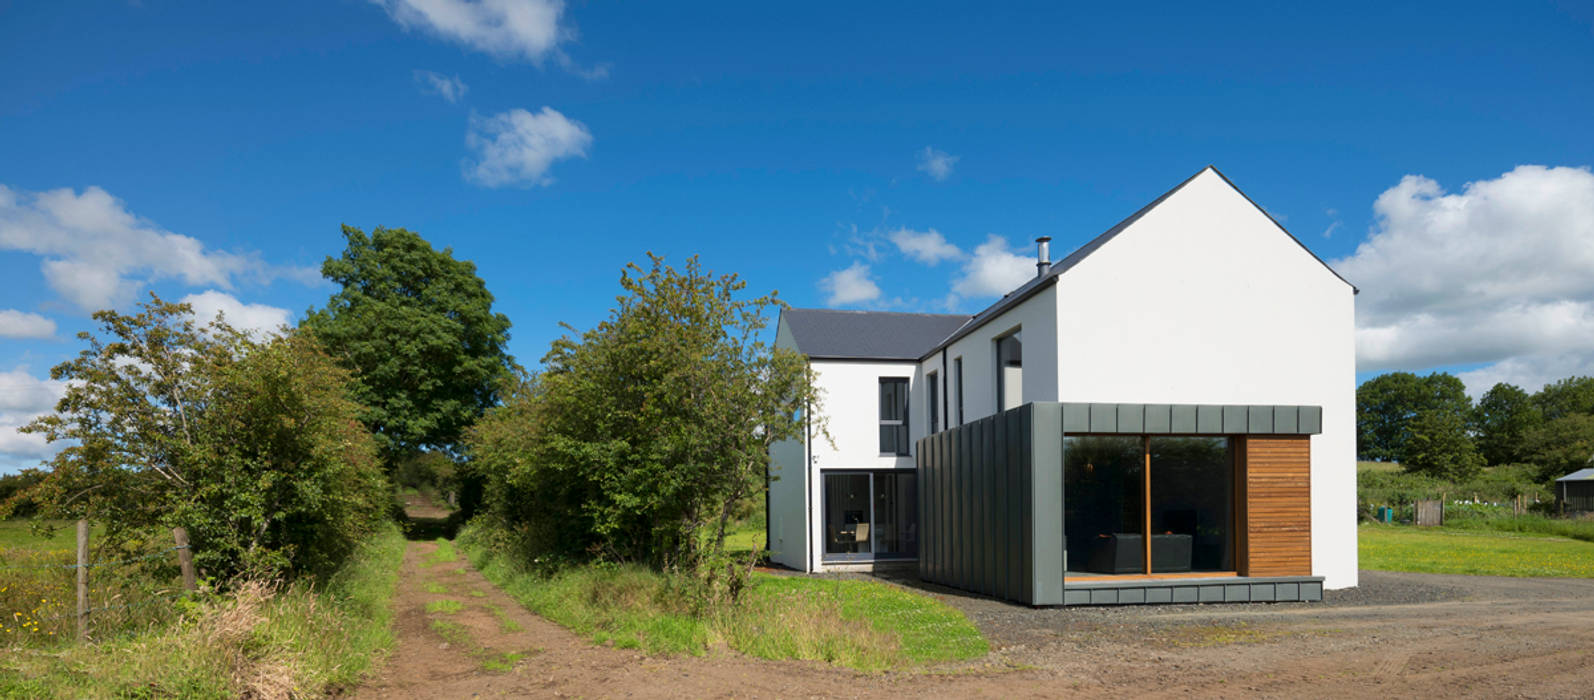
(1399, 635)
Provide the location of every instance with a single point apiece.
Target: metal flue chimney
(1043, 256)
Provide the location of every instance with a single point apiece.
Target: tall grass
(38, 587)
(859, 624)
(302, 641)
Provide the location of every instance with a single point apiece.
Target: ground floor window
(1140, 504)
(870, 515)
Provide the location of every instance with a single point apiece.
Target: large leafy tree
(1386, 405)
(418, 329)
(644, 434)
(252, 445)
(1437, 445)
(1568, 397)
(1501, 422)
(1561, 446)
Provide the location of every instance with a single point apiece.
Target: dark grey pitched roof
(867, 335)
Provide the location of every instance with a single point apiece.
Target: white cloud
(937, 164)
(850, 285)
(993, 270)
(20, 324)
(517, 147)
(928, 247)
(257, 318)
(22, 398)
(97, 254)
(1501, 272)
(449, 87)
(529, 30)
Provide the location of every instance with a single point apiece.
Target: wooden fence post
(185, 557)
(82, 579)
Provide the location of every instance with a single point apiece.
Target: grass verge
(1458, 551)
(863, 625)
(301, 641)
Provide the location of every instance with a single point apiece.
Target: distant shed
(1574, 493)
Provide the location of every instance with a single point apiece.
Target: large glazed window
(1192, 504)
(1139, 504)
(894, 415)
(870, 515)
(1103, 512)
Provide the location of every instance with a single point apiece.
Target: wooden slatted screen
(1275, 497)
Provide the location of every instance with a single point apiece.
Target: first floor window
(871, 515)
(932, 380)
(894, 415)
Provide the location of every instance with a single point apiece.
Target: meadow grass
(865, 625)
(1378, 467)
(1457, 551)
(61, 535)
(38, 586)
(302, 641)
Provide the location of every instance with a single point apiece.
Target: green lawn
(865, 625)
(1453, 551)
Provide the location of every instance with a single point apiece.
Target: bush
(252, 445)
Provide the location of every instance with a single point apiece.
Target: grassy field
(255, 642)
(18, 534)
(1378, 466)
(1457, 551)
(858, 624)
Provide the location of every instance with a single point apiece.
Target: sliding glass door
(1141, 504)
(870, 515)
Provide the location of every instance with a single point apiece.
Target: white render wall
(1205, 300)
(1037, 316)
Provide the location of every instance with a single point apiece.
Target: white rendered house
(1165, 415)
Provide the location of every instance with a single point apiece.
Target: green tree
(643, 435)
(418, 329)
(1437, 445)
(1561, 446)
(253, 446)
(1567, 397)
(1386, 405)
(1501, 422)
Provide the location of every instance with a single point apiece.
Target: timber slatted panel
(1276, 539)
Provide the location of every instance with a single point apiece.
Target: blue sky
(830, 151)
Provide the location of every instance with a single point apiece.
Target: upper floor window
(933, 383)
(957, 385)
(1009, 371)
(894, 415)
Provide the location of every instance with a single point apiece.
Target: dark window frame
(933, 394)
(957, 374)
(894, 408)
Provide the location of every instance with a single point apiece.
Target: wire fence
(37, 598)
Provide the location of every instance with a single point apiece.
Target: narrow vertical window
(933, 382)
(1009, 371)
(957, 381)
(894, 415)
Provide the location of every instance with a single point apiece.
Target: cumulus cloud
(1501, 273)
(97, 254)
(448, 87)
(517, 147)
(21, 324)
(937, 164)
(928, 247)
(994, 269)
(259, 319)
(529, 30)
(850, 285)
(22, 398)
